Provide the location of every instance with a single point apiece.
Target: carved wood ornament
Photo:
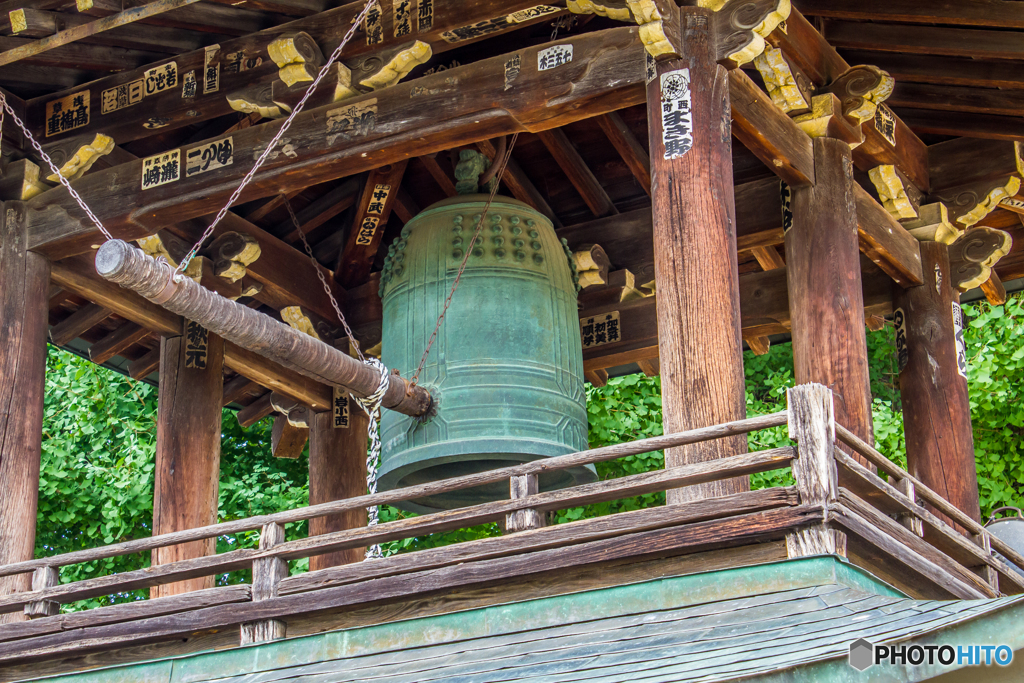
(861, 89)
(972, 257)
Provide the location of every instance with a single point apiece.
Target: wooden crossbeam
(321, 210)
(520, 185)
(952, 42)
(326, 28)
(941, 70)
(364, 133)
(442, 177)
(958, 98)
(77, 324)
(81, 56)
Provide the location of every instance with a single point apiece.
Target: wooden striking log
(701, 351)
(337, 470)
(933, 383)
(131, 268)
(825, 291)
(187, 446)
(24, 284)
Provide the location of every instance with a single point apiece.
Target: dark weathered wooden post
(933, 383)
(24, 283)
(337, 470)
(826, 298)
(187, 446)
(699, 341)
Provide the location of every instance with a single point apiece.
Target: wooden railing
(834, 496)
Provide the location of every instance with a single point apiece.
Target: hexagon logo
(861, 654)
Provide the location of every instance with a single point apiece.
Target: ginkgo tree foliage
(99, 443)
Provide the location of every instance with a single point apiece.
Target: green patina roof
(786, 621)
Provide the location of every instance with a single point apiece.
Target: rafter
(367, 230)
(992, 13)
(582, 178)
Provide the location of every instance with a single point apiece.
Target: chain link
(277, 138)
(53, 168)
(323, 281)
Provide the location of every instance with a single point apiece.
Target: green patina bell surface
(506, 370)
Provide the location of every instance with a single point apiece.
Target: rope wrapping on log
(371, 406)
(155, 280)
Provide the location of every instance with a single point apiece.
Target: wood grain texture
(576, 169)
(24, 285)
(605, 75)
(601, 454)
(629, 148)
(825, 290)
(187, 454)
(77, 324)
(337, 470)
(694, 225)
(736, 530)
(936, 406)
(887, 243)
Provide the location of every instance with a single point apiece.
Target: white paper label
(676, 113)
(160, 78)
(209, 157)
(599, 330)
(553, 57)
(161, 169)
(121, 96)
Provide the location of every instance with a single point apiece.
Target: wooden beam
(582, 178)
(768, 257)
(125, 336)
(81, 56)
(992, 13)
(337, 470)
(885, 241)
(325, 28)
(77, 324)
(941, 70)
(995, 292)
(24, 285)
(321, 210)
(933, 384)
(78, 275)
(187, 447)
(236, 388)
(145, 365)
(695, 238)
(988, 126)
(287, 440)
(956, 98)
(70, 35)
(628, 147)
(930, 40)
(367, 230)
(255, 411)
(954, 163)
(607, 75)
(768, 133)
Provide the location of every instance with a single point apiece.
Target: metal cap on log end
(155, 280)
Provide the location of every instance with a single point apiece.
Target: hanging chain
(323, 281)
(277, 138)
(53, 168)
(502, 164)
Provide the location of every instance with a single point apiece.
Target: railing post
(908, 519)
(267, 573)
(987, 573)
(521, 486)
(812, 426)
(44, 577)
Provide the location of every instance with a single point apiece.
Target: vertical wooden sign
(197, 345)
(341, 409)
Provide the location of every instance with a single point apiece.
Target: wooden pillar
(187, 447)
(826, 299)
(24, 283)
(337, 470)
(933, 385)
(695, 267)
